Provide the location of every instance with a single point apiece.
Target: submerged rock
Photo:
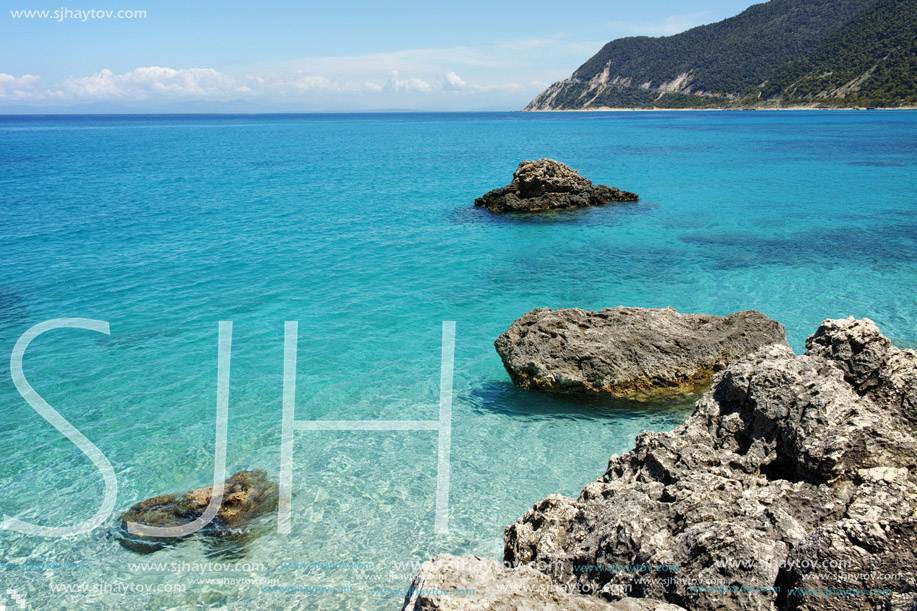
(453, 583)
(793, 486)
(546, 184)
(632, 353)
(247, 495)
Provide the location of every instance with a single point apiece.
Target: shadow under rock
(495, 397)
(610, 214)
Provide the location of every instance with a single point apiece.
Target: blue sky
(306, 56)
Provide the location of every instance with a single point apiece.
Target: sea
(362, 229)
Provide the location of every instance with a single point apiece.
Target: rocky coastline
(793, 486)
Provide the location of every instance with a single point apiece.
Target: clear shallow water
(362, 228)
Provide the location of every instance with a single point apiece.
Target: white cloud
(152, 81)
(507, 73)
(453, 82)
(294, 84)
(409, 85)
(145, 82)
(156, 82)
(18, 88)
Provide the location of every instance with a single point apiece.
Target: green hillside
(813, 52)
(880, 43)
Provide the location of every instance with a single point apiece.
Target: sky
(282, 55)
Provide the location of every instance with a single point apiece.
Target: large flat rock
(633, 353)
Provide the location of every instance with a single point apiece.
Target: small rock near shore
(247, 495)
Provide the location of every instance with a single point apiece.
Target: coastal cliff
(783, 53)
(793, 484)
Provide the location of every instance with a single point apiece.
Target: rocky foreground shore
(793, 486)
(632, 353)
(546, 184)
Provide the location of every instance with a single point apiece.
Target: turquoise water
(361, 227)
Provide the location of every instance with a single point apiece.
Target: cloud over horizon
(163, 84)
(502, 73)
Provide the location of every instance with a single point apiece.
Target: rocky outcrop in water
(632, 353)
(546, 184)
(454, 583)
(247, 495)
(793, 486)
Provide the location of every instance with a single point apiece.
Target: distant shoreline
(424, 112)
(782, 108)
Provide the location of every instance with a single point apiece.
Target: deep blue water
(361, 227)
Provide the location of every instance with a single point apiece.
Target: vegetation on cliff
(783, 52)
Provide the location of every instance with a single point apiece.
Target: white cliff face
(573, 93)
(851, 86)
(678, 84)
(547, 100)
